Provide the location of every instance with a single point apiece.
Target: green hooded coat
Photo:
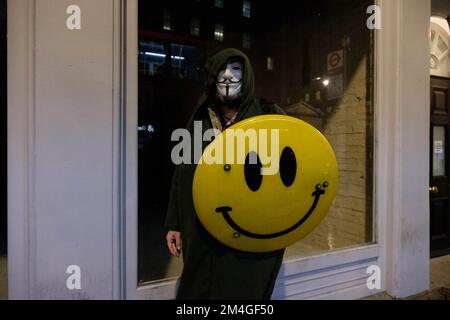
(212, 270)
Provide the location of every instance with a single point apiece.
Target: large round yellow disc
(256, 210)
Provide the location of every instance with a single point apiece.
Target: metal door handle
(434, 190)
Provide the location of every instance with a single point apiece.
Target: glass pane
(314, 60)
(186, 62)
(152, 57)
(439, 140)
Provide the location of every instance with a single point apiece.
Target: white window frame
(338, 274)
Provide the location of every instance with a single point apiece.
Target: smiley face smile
(225, 211)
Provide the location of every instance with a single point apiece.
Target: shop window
(302, 65)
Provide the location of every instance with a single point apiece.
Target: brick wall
(345, 224)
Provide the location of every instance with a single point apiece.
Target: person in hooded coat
(211, 270)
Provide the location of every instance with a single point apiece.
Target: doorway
(439, 181)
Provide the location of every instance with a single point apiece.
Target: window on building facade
(152, 57)
(218, 32)
(321, 67)
(167, 24)
(195, 27)
(246, 40)
(269, 63)
(246, 9)
(219, 3)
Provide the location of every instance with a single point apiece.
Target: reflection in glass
(314, 59)
(152, 57)
(218, 32)
(186, 62)
(269, 64)
(247, 9)
(246, 40)
(219, 3)
(167, 21)
(195, 27)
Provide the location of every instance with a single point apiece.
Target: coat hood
(249, 104)
(216, 63)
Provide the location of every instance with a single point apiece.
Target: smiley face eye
(288, 167)
(252, 171)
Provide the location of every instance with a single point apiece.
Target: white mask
(229, 82)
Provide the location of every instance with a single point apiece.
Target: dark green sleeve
(277, 110)
(173, 213)
(272, 109)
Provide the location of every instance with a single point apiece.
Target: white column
(403, 101)
(64, 103)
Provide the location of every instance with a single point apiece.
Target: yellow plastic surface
(275, 216)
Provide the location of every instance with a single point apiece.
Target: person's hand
(174, 243)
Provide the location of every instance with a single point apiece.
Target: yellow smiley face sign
(265, 199)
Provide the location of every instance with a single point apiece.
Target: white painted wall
(62, 151)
